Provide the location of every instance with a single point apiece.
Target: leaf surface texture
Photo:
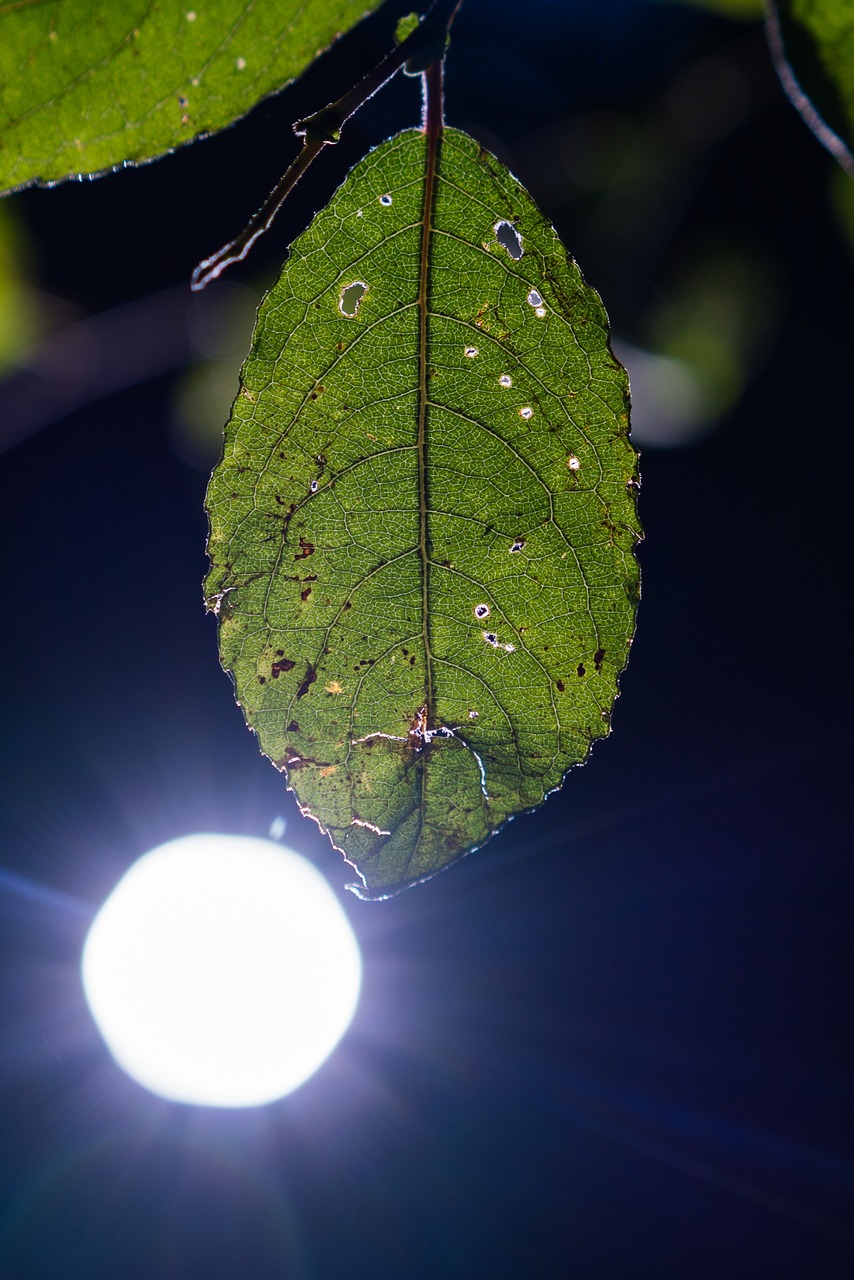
(85, 87)
(422, 528)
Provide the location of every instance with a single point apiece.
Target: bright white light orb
(221, 971)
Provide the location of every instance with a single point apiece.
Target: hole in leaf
(481, 611)
(351, 298)
(505, 380)
(508, 237)
(471, 352)
(526, 412)
(539, 311)
(573, 463)
(313, 486)
(386, 200)
(518, 545)
(473, 715)
(535, 299)
(491, 638)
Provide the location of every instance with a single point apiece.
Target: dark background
(612, 1043)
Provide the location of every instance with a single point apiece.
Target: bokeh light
(221, 971)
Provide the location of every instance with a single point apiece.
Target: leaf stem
(422, 50)
(433, 125)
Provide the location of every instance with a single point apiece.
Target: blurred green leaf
(812, 43)
(19, 309)
(422, 528)
(87, 87)
(739, 10)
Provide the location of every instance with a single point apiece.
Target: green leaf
(812, 43)
(85, 87)
(422, 528)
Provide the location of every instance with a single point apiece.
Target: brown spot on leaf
(303, 595)
(561, 686)
(306, 548)
(597, 659)
(308, 681)
(293, 727)
(582, 670)
(284, 664)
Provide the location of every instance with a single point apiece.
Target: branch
(421, 48)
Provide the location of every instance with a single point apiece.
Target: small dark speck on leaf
(348, 604)
(303, 595)
(306, 548)
(582, 670)
(597, 659)
(561, 686)
(293, 727)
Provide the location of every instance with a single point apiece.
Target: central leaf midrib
(433, 144)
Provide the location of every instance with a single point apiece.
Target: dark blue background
(611, 1044)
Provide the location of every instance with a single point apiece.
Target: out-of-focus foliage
(746, 10)
(220, 333)
(712, 325)
(19, 310)
(812, 42)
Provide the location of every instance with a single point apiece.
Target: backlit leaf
(812, 42)
(85, 87)
(422, 528)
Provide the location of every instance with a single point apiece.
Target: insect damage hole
(573, 463)
(386, 200)
(526, 412)
(505, 380)
(351, 298)
(518, 545)
(508, 237)
(535, 299)
(471, 352)
(481, 611)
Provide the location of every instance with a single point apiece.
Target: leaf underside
(422, 528)
(86, 87)
(812, 43)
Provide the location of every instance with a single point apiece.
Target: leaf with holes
(812, 43)
(87, 87)
(422, 528)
